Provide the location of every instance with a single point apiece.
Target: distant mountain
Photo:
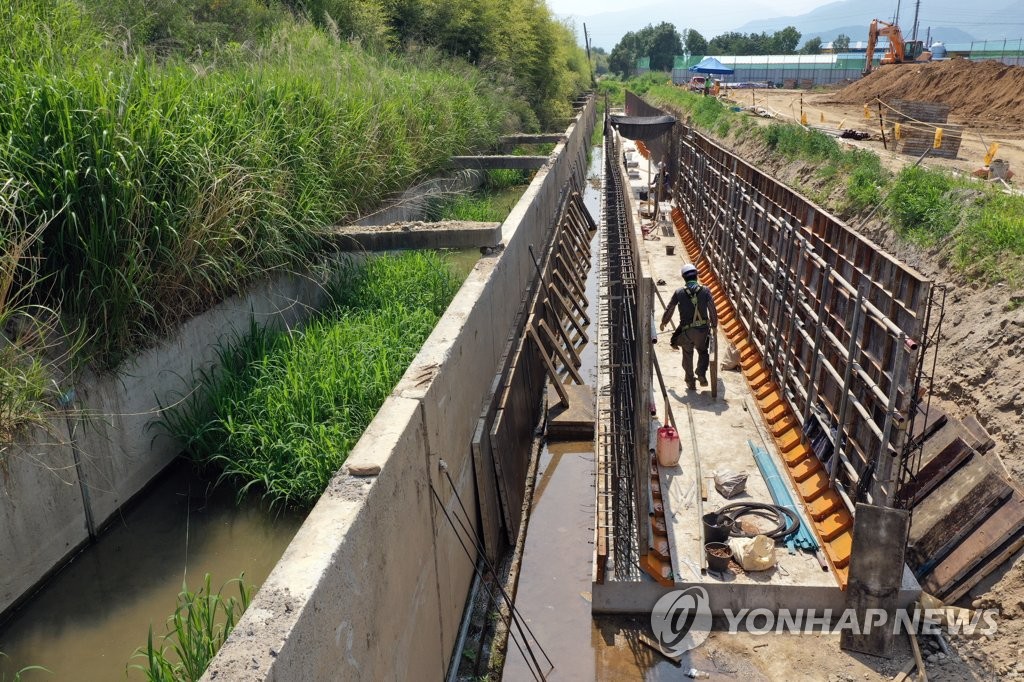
(857, 32)
(950, 20)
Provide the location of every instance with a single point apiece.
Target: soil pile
(979, 92)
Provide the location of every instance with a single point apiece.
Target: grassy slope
(979, 227)
(166, 190)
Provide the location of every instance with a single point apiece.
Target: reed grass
(196, 630)
(166, 186)
(284, 409)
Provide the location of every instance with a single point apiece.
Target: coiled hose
(786, 520)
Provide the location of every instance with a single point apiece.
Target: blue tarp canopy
(710, 65)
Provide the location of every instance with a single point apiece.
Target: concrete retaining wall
(49, 505)
(374, 583)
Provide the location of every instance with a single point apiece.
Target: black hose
(772, 512)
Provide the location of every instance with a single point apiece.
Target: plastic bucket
(670, 249)
(668, 447)
(716, 527)
(717, 563)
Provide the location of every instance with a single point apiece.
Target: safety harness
(698, 319)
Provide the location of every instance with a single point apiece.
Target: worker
(707, 86)
(698, 320)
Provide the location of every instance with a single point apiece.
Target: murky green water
(85, 624)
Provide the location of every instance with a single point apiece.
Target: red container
(668, 447)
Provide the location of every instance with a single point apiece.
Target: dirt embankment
(979, 92)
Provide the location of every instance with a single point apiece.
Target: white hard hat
(689, 270)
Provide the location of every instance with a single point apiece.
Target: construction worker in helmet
(697, 322)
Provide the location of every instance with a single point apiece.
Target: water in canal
(553, 594)
(85, 624)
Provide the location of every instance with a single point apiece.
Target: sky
(710, 18)
(739, 9)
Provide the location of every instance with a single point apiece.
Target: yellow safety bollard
(937, 143)
(803, 119)
(867, 112)
(897, 131)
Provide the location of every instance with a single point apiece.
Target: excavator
(900, 51)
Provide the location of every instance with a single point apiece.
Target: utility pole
(896, 18)
(586, 41)
(917, 10)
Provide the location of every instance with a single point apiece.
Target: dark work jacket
(681, 298)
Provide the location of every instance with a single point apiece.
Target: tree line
(662, 43)
(518, 43)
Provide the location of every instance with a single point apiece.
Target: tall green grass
(285, 408)
(168, 186)
(491, 203)
(197, 629)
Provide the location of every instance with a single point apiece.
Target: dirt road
(785, 104)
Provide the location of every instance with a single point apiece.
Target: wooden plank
(953, 510)
(984, 442)
(487, 490)
(990, 564)
(926, 425)
(570, 363)
(935, 471)
(876, 573)
(1002, 525)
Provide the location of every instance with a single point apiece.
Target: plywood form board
(935, 469)
(1005, 522)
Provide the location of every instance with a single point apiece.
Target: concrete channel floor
(723, 426)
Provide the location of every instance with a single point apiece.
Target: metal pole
(886, 462)
(844, 399)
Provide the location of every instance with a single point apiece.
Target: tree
(785, 41)
(695, 43)
(812, 46)
(622, 59)
(841, 43)
(663, 47)
(661, 43)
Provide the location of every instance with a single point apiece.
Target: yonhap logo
(681, 619)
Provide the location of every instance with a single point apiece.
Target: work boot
(702, 380)
(691, 386)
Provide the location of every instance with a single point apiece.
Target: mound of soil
(979, 92)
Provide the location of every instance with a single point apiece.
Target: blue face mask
(693, 286)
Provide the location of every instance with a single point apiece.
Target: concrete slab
(447, 234)
(879, 543)
(575, 422)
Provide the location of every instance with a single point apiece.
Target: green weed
(284, 409)
(196, 630)
(991, 243)
(921, 205)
